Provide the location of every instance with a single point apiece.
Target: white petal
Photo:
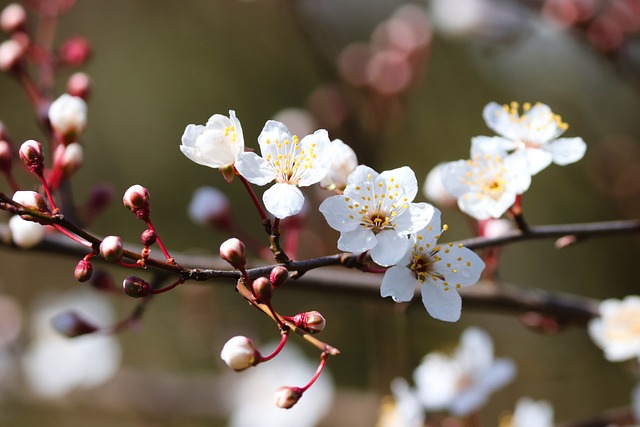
(415, 218)
(481, 145)
(429, 234)
(322, 151)
(283, 200)
(436, 380)
(460, 266)
(454, 177)
(273, 131)
(496, 118)
(441, 304)
(390, 249)
(398, 283)
(357, 241)
(359, 179)
(566, 150)
(406, 180)
(537, 159)
(517, 174)
(254, 168)
(337, 213)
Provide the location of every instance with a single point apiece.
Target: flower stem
(283, 341)
(323, 362)
(256, 202)
(278, 253)
(170, 260)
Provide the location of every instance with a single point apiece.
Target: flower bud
(210, 206)
(435, 191)
(33, 200)
(136, 199)
(135, 287)
(6, 156)
(111, 248)
(68, 117)
(286, 397)
(79, 84)
(32, 154)
(83, 270)
(148, 237)
(239, 353)
(99, 198)
(13, 18)
(234, 252)
(311, 321)
(279, 274)
(72, 158)
(102, 281)
(25, 234)
(75, 51)
(71, 324)
(262, 290)
(11, 54)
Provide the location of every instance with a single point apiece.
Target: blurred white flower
(617, 329)
(535, 133)
(492, 228)
(376, 213)
(53, 364)
(216, 144)
(435, 191)
(462, 383)
(209, 206)
(343, 163)
(250, 393)
(439, 269)
(288, 161)
(531, 413)
(68, 116)
(487, 185)
(26, 234)
(403, 410)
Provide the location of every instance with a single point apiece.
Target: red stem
(323, 361)
(160, 244)
(72, 236)
(283, 341)
(254, 198)
(168, 288)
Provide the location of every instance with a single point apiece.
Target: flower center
(377, 221)
(291, 161)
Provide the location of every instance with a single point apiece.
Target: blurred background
(403, 83)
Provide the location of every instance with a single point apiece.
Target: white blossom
(438, 269)
(68, 116)
(535, 133)
(531, 413)
(291, 162)
(376, 213)
(343, 163)
(216, 144)
(461, 383)
(617, 329)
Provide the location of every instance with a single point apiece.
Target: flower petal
(440, 303)
(338, 215)
(272, 132)
(537, 159)
(390, 249)
(403, 179)
(254, 168)
(415, 218)
(319, 145)
(492, 145)
(283, 200)
(459, 266)
(566, 150)
(398, 283)
(357, 241)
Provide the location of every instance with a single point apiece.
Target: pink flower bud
(11, 54)
(262, 290)
(75, 51)
(137, 200)
(83, 270)
(239, 353)
(33, 200)
(68, 117)
(135, 287)
(286, 397)
(32, 154)
(79, 84)
(72, 324)
(234, 252)
(6, 156)
(72, 158)
(13, 18)
(278, 275)
(148, 237)
(111, 248)
(311, 321)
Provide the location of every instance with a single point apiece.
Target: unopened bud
(135, 287)
(68, 117)
(102, 280)
(311, 321)
(75, 51)
(148, 237)
(72, 158)
(6, 156)
(137, 200)
(99, 198)
(79, 84)
(239, 353)
(13, 18)
(32, 154)
(286, 397)
(33, 200)
(279, 274)
(111, 248)
(262, 290)
(71, 324)
(435, 191)
(83, 270)
(25, 234)
(11, 54)
(234, 252)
